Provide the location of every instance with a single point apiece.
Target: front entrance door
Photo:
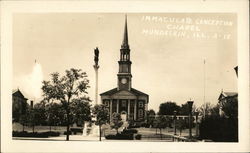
(124, 116)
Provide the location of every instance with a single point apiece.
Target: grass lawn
(146, 133)
(19, 127)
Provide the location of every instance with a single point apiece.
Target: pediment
(221, 96)
(123, 93)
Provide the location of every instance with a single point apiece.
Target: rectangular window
(123, 103)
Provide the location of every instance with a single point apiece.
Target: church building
(132, 104)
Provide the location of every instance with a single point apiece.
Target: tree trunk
(67, 134)
(100, 132)
(50, 128)
(67, 137)
(155, 131)
(33, 128)
(160, 134)
(23, 127)
(116, 131)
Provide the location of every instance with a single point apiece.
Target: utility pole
(204, 94)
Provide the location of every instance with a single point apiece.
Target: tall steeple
(124, 73)
(125, 36)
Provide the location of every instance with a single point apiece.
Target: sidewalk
(62, 138)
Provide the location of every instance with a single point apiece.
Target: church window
(106, 103)
(140, 113)
(141, 104)
(123, 103)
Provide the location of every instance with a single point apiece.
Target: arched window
(140, 104)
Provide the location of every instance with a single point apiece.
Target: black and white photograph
(125, 77)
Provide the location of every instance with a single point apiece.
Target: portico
(132, 102)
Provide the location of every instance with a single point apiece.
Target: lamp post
(190, 105)
(175, 122)
(196, 127)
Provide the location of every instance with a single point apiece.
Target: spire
(125, 36)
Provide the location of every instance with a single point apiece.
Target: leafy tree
(168, 108)
(230, 107)
(180, 124)
(150, 117)
(209, 109)
(184, 109)
(102, 116)
(72, 85)
(116, 121)
(81, 110)
(37, 115)
(24, 119)
(155, 125)
(161, 122)
(55, 114)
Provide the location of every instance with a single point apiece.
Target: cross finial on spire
(125, 36)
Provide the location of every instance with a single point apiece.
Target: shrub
(138, 137)
(54, 134)
(128, 136)
(65, 133)
(76, 130)
(146, 125)
(35, 134)
(219, 129)
(110, 136)
(120, 137)
(133, 126)
(128, 131)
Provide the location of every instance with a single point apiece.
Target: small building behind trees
(19, 105)
(227, 99)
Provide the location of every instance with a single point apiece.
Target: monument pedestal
(84, 131)
(95, 130)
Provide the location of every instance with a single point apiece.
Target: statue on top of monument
(96, 51)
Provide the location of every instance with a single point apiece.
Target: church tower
(124, 74)
(131, 103)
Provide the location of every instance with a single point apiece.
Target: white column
(110, 108)
(117, 106)
(128, 108)
(96, 83)
(135, 102)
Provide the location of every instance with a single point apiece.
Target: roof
(18, 93)
(227, 94)
(230, 94)
(115, 90)
(110, 92)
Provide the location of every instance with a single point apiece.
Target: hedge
(35, 134)
(120, 137)
(129, 131)
(138, 137)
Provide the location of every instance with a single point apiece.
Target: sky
(167, 52)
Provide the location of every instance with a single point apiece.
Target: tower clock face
(124, 81)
